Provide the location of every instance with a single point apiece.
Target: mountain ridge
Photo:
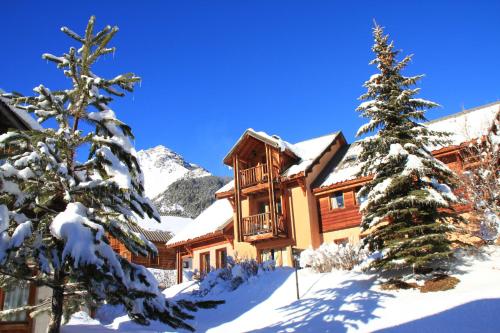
(175, 186)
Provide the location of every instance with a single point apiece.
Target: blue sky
(211, 69)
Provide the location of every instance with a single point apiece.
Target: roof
(468, 124)
(172, 224)
(212, 220)
(20, 116)
(463, 126)
(272, 140)
(155, 236)
(343, 167)
(228, 187)
(307, 151)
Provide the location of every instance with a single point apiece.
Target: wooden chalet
(165, 258)
(13, 118)
(288, 197)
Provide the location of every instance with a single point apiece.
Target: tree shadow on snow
(331, 310)
(240, 300)
(476, 316)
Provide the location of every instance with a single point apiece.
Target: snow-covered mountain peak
(162, 166)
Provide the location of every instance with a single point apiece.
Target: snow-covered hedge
(331, 256)
(165, 277)
(232, 276)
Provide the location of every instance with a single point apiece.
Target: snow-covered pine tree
(57, 213)
(407, 211)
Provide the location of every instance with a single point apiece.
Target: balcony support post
(270, 179)
(237, 198)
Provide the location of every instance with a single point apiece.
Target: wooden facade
(15, 325)
(165, 258)
(258, 164)
(335, 219)
(11, 120)
(339, 218)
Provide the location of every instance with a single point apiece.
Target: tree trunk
(57, 305)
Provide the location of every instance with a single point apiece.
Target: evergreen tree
(407, 211)
(57, 213)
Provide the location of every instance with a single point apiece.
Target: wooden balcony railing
(257, 224)
(254, 175)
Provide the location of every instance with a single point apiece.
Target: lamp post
(296, 257)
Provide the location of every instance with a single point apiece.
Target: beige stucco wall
(243, 250)
(352, 234)
(212, 250)
(41, 322)
(300, 217)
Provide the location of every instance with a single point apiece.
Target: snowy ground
(338, 302)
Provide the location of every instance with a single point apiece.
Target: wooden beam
(270, 179)
(237, 197)
(179, 264)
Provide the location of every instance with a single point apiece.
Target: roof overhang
(12, 119)
(251, 133)
(337, 136)
(203, 238)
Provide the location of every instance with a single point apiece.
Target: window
(263, 207)
(14, 298)
(267, 254)
(337, 200)
(204, 263)
(154, 260)
(341, 241)
(278, 208)
(221, 258)
(359, 199)
(278, 255)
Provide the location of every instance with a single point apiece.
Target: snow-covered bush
(165, 277)
(232, 276)
(331, 256)
(490, 228)
(481, 181)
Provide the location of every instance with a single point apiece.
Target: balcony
(260, 226)
(254, 176)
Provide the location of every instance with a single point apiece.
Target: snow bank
(331, 256)
(341, 302)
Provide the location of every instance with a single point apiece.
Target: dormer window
(337, 200)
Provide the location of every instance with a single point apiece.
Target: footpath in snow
(334, 302)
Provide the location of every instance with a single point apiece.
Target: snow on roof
(173, 224)
(213, 219)
(156, 236)
(308, 151)
(468, 124)
(344, 167)
(229, 186)
(272, 140)
(22, 115)
(464, 126)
